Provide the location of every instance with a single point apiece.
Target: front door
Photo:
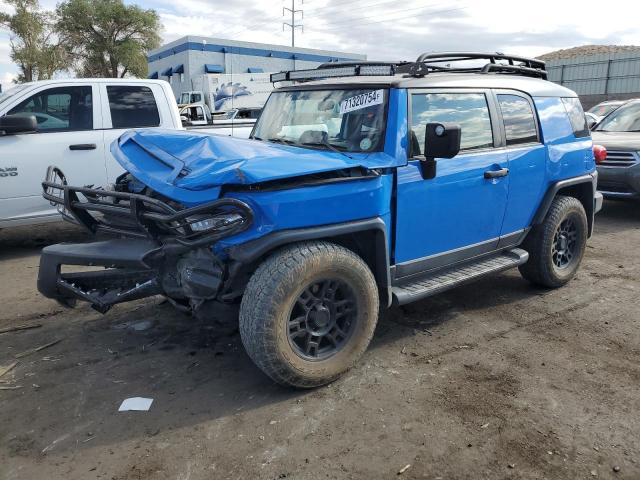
(68, 137)
(459, 213)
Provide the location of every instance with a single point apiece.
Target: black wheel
(308, 313)
(556, 246)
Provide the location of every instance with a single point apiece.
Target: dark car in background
(619, 133)
(603, 109)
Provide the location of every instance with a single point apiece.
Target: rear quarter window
(519, 121)
(576, 117)
(132, 107)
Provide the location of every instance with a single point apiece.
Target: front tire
(557, 245)
(308, 313)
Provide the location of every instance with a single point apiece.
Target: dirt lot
(493, 380)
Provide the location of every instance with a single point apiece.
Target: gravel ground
(492, 380)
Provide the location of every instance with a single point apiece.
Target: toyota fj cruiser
(363, 185)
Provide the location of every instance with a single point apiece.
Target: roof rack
(339, 69)
(425, 64)
(529, 67)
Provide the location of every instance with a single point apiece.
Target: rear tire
(557, 245)
(308, 313)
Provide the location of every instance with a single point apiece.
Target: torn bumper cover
(165, 250)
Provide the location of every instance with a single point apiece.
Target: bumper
(166, 250)
(125, 269)
(619, 182)
(128, 272)
(597, 202)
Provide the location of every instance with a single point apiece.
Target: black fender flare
(251, 251)
(591, 179)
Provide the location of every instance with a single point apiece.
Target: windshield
(12, 92)
(190, 98)
(624, 119)
(603, 110)
(346, 120)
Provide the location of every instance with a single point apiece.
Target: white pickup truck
(71, 123)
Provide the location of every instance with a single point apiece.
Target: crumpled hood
(617, 140)
(199, 161)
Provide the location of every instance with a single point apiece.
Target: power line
(357, 24)
(252, 26)
(389, 12)
(323, 11)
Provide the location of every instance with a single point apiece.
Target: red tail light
(600, 153)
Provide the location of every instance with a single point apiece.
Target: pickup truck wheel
(557, 245)
(308, 313)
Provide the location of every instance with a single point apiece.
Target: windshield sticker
(365, 144)
(363, 100)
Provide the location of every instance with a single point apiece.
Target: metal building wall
(599, 77)
(194, 52)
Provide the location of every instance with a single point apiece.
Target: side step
(451, 277)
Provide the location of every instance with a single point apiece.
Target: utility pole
(293, 25)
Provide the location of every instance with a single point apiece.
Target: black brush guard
(155, 234)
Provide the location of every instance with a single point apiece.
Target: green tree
(108, 38)
(33, 44)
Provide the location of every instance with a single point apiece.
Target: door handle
(503, 172)
(83, 146)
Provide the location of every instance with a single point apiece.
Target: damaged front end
(160, 247)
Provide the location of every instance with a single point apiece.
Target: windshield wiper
(330, 146)
(617, 131)
(283, 141)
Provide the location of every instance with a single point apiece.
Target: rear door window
(576, 116)
(518, 118)
(132, 106)
(60, 109)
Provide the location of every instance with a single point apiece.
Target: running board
(452, 277)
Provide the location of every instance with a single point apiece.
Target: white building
(189, 57)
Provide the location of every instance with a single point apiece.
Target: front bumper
(619, 182)
(162, 252)
(129, 272)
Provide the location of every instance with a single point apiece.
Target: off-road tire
(541, 269)
(271, 295)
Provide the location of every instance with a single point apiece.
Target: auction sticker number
(363, 100)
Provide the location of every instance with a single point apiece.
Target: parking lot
(495, 379)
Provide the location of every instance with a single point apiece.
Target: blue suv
(364, 185)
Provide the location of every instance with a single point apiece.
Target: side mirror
(13, 124)
(184, 120)
(591, 123)
(442, 140)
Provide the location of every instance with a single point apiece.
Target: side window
(132, 107)
(519, 121)
(576, 116)
(59, 109)
(469, 110)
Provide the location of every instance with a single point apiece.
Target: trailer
(225, 92)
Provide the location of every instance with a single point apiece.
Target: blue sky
(388, 29)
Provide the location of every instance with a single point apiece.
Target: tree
(108, 38)
(33, 45)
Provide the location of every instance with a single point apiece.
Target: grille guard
(141, 216)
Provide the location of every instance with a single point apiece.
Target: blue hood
(170, 160)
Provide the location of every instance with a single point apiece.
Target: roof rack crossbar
(492, 57)
(527, 71)
(525, 66)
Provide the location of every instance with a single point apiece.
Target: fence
(612, 76)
